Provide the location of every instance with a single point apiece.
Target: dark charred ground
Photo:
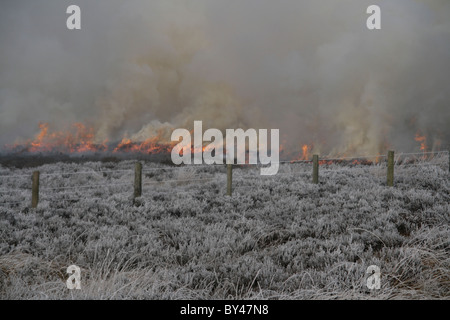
(31, 160)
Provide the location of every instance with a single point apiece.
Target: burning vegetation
(80, 139)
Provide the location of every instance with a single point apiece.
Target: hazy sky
(308, 67)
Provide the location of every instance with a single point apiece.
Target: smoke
(310, 68)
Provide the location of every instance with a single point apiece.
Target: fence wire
(292, 168)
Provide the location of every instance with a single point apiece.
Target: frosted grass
(277, 238)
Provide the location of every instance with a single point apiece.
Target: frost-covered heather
(276, 238)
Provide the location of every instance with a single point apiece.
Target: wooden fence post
(137, 180)
(229, 179)
(315, 177)
(35, 189)
(390, 169)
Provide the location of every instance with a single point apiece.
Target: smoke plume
(312, 69)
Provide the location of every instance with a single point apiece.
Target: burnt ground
(31, 160)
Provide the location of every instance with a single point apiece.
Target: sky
(312, 69)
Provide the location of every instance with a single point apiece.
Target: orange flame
(305, 155)
(37, 143)
(423, 141)
(77, 139)
(150, 146)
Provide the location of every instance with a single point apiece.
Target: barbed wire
(421, 153)
(15, 176)
(71, 199)
(14, 190)
(43, 174)
(419, 164)
(274, 162)
(185, 180)
(358, 157)
(185, 166)
(294, 161)
(2, 203)
(83, 187)
(215, 164)
(85, 172)
(177, 180)
(171, 194)
(63, 193)
(147, 183)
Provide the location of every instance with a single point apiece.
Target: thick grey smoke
(310, 68)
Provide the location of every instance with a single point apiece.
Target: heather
(279, 237)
